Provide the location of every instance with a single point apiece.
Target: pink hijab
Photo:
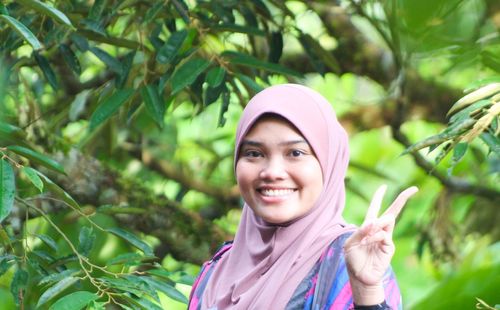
(267, 262)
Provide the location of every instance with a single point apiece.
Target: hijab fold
(267, 262)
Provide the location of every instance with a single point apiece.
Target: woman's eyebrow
(284, 143)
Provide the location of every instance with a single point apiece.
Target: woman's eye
(252, 154)
(296, 153)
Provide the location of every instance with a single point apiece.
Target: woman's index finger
(400, 201)
(376, 203)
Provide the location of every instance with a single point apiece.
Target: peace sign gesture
(368, 251)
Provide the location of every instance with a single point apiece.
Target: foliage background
(116, 136)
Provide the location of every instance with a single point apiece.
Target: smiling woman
(293, 249)
(277, 171)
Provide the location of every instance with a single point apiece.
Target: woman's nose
(273, 169)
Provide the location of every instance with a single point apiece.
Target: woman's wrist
(363, 294)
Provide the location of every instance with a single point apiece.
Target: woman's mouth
(268, 192)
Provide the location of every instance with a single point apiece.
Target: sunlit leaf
(7, 188)
(58, 191)
(74, 301)
(56, 277)
(155, 104)
(479, 94)
(78, 104)
(33, 177)
(132, 239)
(187, 73)
(47, 71)
(109, 106)
(170, 49)
(45, 9)
(22, 30)
(55, 290)
(37, 157)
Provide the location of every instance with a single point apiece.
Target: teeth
(276, 192)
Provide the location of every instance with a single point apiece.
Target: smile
(276, 192)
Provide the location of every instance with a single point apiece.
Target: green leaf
(170, 49)
(237, 58)
(154, 103)
(132, 239)
(47, 71)
(48, 241)
(56, 277)
(22, 30)
(56, 290)
(109, 106)
(212, 94)
(78, 104)
(135, 287)
(276, 47)
(223, 108)
(167, 289)
(128, 62)
(11, 130)
(153, 11)
(465, 113)
(7, 189)
(58, 191)
(482, 82)
(312, 46)
(44, 9)
(491, 141)
(86, 238)
(33, 177)
(18, 284)
(74, 301)
(129, 259)
(215, 76)
(187, 73)
(97, 9)
(491, 60)
(70, 58)
(37, 158)
(250, 82)
(239, 29)
(114, 64)
(4, 266)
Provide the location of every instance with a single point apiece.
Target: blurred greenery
(117, 123)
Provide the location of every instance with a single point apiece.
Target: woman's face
(277, 172)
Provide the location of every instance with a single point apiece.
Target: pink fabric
(267, 262)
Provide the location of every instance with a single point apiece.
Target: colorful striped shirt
(325, 287)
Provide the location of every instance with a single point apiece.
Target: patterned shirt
(325, 287)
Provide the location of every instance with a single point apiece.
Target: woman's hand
(368, 251)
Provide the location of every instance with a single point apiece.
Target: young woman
(293, 249)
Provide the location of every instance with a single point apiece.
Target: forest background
(117, 121)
